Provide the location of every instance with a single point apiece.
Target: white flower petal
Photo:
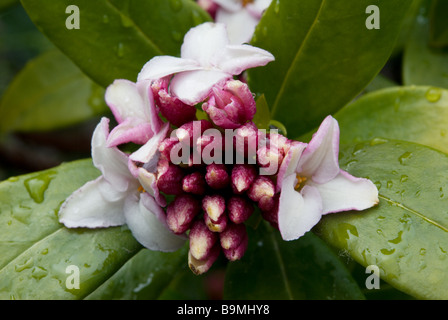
(320, 160)
(346, 192)
(146, 226)
(124, 100)
(193, 87)
(298, 212)
(237, 58)
(240, 25)
(162, 66)
(230, 5)
(112, 163)
(87, 207)
(150, 149)
(204, 42)
(289, 164)
(258, 7)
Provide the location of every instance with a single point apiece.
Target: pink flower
(206, 59)
(312, 184)
(116, 198)
(133, 107)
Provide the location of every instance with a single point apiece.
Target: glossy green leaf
(49, 93)
(145, 276)
(417, 114)
(38, 251)
(325, 55)
(263, 115)
(276, 269)
(115, 38)
(406, 235)
(422, 64)
(439, 24)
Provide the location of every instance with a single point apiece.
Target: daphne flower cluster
(215, 171)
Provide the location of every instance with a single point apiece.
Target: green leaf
(439, 25)
(49, 93)
(416, 114)
(263, 115)
(275, 269)
(406, 235)
(5, 4)
(144, 276)
(37, 249)
(422, 64)
(116, 38)
(324, 54)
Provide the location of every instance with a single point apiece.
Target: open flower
(312, 184)
(133, 107)
(206, 59)
(240, 16)
(116, 198)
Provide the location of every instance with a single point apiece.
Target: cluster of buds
(216, 171)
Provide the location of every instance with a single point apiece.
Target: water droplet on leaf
(433, 94)
(176, 5)
(405, 157)
(37, 185)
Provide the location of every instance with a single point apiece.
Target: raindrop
(433, 94)
(120, 50)
(39, 273)
(277, 6)
(378, 185)
(25, 265)
(196, 16)
(126, 21)
(176, 5)
(378, 141)
(405, 157)
(390, 184)
(387, 252)
(105, 18)
(36, 186)
(177, 36)
(96, 99)
(404, 178)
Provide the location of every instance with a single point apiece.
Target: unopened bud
(202, 240)
(170, 178)
(243, 175)
(191, 131)
(232, 236)
(269, 158)
(262, 186)
(231, 105)
(216, 226)
(214, 206)
(181, 212)
(239, 209)
(245, 142)
(217, 176)
(174, 110)
(271, 215)
(166, 146)
(237, 253)
(199, 267)
(194, 183)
